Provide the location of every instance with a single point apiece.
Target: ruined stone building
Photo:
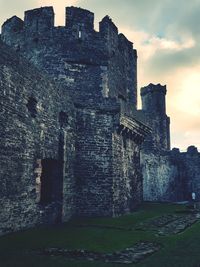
(72, 140)
(168, 175)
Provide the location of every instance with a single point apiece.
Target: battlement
(153, 88)
(78, 18)
(13, 24)
(106, 25)
(39, 19)
(175, 151)
(76, 49)
(79, 24)
(109, 32)
(123, 41)
(192, 150)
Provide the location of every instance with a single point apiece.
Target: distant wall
(168, 175)
(161, 179)
(171, 176)
(190, 162)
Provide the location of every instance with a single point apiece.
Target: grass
(181, 250)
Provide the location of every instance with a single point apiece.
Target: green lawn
(181, 250)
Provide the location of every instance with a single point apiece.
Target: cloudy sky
(166, 34)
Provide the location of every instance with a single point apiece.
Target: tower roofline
(153, 88)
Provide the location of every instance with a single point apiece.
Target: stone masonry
(168, 175)
(72, 140)
(70, 144)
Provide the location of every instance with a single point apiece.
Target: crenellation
(107, 26)
(124, 42)
(175, 151)
(65, 54)
(12, 32)
(109, 33)
(39, 20)
(79, 20)
(192, 150)
(13, 25)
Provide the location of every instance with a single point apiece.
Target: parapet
(192, 150)
(39, 19)
(124, 42)
(175, 151)
(109, 32)
(107, 25)
(151, 88)
(78, 17)
(13, 24)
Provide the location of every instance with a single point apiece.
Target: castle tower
(154, 106)
(39, 20)
(153, 98)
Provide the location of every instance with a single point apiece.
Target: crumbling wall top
(192, 150)
(14, 24)
(153, 98)
(79, 25)
(175, 151)
(123, 41)
(153, 88)
(106, 24)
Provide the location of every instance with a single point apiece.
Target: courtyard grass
(103, 235)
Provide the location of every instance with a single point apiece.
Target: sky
(166, 35)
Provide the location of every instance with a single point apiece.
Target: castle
(73, 142)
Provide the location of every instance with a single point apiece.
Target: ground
(172, 228)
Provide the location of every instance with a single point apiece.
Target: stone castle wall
(31, 131)
(168, 175)
(108, 174)
(84, 155)
(128, 188)
(71, 137)
(171, 176)
(94, 172)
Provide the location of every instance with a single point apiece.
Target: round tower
(154, 107)
(153, 98)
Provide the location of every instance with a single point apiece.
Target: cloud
(10, 8)
(184, 106)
